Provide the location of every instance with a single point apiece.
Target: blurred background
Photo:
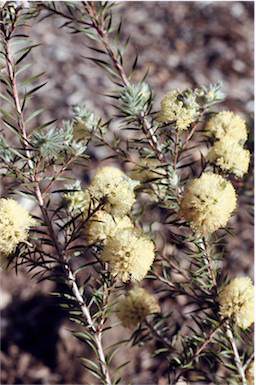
(181, 44)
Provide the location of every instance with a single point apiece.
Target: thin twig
(205, 247)
(46, 7)
(96, 332)
(15, 95)
(192, 131)
(247, 363)
(153, 142)
(237, 359)
(89, 7)
(229, 333)
(155, 332)
(56, 175)
(199, 350)
(179, 290)
(176, 149)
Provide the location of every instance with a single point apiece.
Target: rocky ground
(181, 44)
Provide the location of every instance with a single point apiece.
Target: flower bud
(180, 108)
(135, 307)
(237, 301)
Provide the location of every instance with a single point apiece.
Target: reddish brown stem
(176, 149)
(192, 132)
(21, 122)
(89, 6)
(56, 174)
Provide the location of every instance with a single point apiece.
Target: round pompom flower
(207, 203)
(249, 374)
(178, 107)
(129, 254)
(135, 307)
(230, 156)
(14, 226)
(115, 188)
(102, 225)
(237, 301)
(227, 123)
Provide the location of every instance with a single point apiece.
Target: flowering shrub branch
(105, 238)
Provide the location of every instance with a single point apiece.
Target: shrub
(104, 235)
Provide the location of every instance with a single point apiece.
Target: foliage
(159, 154)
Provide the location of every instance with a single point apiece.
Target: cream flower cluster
(173, 109)
(237, 301)
(230, 156)
(103, 225)
(227, 123)
(15, 222)
(127, 250)
(129, 253)
(208, 202)
(133, 308)
(229, 131)
(115, 189)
